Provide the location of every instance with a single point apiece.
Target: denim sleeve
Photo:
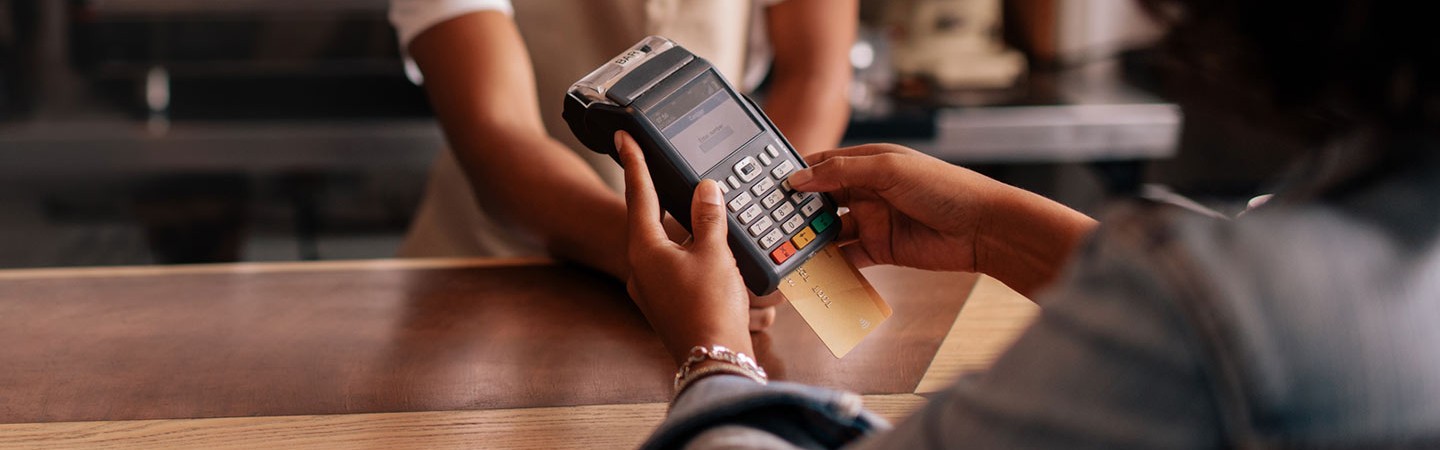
(726, 411)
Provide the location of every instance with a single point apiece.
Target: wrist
(705, 361)
(1027, 239)
(600, 243)
(735, 341)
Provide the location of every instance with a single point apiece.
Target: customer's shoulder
(1283, 241)
(1316, 318)
(1151, 238)
(1268, 264)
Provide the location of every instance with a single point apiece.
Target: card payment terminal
(692, 125)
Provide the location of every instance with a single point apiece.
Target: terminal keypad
(776, 216)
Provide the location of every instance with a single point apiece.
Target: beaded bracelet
(734, 363)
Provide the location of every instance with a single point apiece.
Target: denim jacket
(1311, 322)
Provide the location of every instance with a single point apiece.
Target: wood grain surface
(380, 339)
(993, 318)
(573, 427)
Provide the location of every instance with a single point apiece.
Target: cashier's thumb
(707, 215)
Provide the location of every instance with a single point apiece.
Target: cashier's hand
(692, 294)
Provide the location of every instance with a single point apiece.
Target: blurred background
(182, 131)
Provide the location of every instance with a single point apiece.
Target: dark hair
(1313, 70)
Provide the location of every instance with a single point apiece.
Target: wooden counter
(414, 353)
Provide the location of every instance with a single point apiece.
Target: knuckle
(888, 160)
(890, 147)
(838, 164)
(889, 165)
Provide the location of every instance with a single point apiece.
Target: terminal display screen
(704, 122)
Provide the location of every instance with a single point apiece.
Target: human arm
(1111, 362)
(811, 72)
(910, 209)
(479, 80)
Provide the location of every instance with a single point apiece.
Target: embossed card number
(835, 300)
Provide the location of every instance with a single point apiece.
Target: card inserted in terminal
(835, 299)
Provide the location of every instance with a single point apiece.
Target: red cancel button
(783, 253)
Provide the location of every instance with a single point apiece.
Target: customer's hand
(910, 209)
(692, 294)
(906, 208)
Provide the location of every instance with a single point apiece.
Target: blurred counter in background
(1092, 115)
(171, 131)
(1088, 114)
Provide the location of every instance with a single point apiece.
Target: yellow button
(803, 237)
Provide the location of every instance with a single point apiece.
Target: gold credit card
(834, 298)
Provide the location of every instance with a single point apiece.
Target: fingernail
(710, 193)
(617, 141)
(801, 176)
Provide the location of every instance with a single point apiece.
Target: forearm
(477, 75)
(810, 108)
(811, 73)
(547, 191)
(1027, 239)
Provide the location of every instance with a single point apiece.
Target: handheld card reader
(692, 125)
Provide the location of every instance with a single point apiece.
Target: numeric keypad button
(810, 207)
(771, 238)
(761, 186)
(782, 170)
(740, 201)
(750, 214)
(761, 226)
(793, 224)
(785, 209)
(772, 199)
